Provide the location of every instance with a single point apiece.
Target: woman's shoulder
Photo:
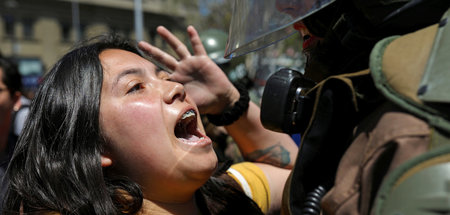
(252, 181)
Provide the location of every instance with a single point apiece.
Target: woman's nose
(173, 91)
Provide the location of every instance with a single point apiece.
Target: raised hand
(204, 81)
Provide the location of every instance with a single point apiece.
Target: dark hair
(56, 166)
(11, 76)
(224, 196)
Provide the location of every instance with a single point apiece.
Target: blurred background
(36, 33)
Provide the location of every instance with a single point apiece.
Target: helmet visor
(256, 24)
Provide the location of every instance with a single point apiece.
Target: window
(28, 29)
(65, 30)
(9, 25)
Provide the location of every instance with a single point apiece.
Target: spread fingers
(158, 55)
(179, 47)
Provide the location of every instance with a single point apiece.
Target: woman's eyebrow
(132, 71)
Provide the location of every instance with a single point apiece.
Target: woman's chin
(206, 170)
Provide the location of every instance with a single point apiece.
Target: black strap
(230, 115)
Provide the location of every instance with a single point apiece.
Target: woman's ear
(106, 161)
(17, 101)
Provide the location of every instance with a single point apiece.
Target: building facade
(38, 32)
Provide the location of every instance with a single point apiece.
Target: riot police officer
(379, 109)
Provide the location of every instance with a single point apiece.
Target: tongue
(183, 134)
(189, 137)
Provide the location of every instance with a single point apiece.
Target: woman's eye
(135, 88)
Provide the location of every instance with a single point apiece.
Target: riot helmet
(256, 24)
(214, 41)
(357, 24)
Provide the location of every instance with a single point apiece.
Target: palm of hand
(204, 82)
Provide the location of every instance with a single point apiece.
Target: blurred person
(21, 110)
(378, 105)
(10, 86)
(109, 132)
(30, 85)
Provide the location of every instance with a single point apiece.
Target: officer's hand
(204, 81)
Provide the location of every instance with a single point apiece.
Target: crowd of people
(116, 126)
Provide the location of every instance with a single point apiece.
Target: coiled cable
(311, 206)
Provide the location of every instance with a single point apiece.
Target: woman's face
(153, 129)
(6, 105)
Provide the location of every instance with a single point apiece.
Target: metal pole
(76, 20)
(138, 20)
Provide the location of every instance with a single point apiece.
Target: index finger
(157, 56)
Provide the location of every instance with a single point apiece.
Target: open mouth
(308, 39)
(186, 128)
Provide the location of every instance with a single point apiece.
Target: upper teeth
(188, 114)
